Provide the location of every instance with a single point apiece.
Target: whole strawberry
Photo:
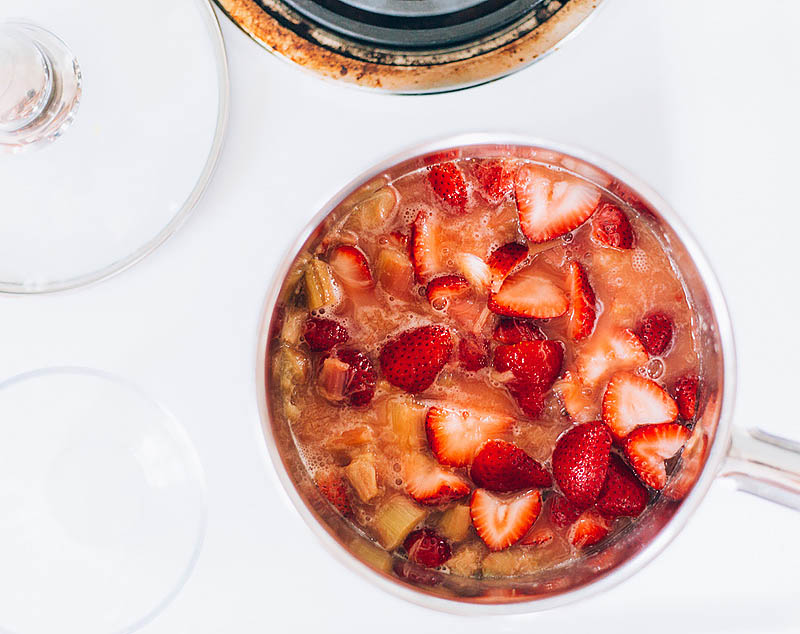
(622, 493)
(502, 466)
(580, 462)
(655, 332)
(531, 362)
(413, 359)
(323, 334)
(427, 548)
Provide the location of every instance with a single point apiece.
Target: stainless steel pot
(762, 464)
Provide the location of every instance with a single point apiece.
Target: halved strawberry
(631, 401)
(413, 359)
(500, 521)
(685, 391)
(334, 489)
(619, 350)
(589, 529)
(647, 448)
(351, 267)
(502, 466)
(430, 484)
(529, 396)
(655, 333)
(580, 406)
(441, 290)
(562, 511)
(534, 362)
(505, 259)
(448, 183)
(455, 436)
(427, 548)
(580, 462)
(495, 179)
(473, 352)
(551, 206)
(474, 270)
(611, 227)
(323, 334)
(361, 378)
(622, 493)
(511, 330)
(529, 294)
(424, 246)
(582, 301)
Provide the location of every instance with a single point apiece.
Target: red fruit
(361, 376)
(579, 405)
(350, 265)
(582, 301)
(502, 466)
(501, 522)
(448, 183)
(511, 330)
(532, 362)
(505, 259)
(442, 290)
(685, 391)
(647, 448)
(537, 537)
(622, 493)
(548, 207)
(474, 270)
(589, 529)
(611, 227)
(335, 490)
(399, 241)
(621, 350)
(424, 246)
(415, 574)
(529, 397)
(413, 359)
(323, 334)
(655, 332)
(455, 436)
(631, 401)
(429, 484)
(580, 462)
(562, 511)
(473, 353)
(495, 179)
(427, 548)
(529, 294)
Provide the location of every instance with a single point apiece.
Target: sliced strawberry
(505, 259)
(611, 227)
(511, 330)
(589, 529)
(534, 362)
(580, 462)
(334, 489)
(551, 206)
(685, 391)
(529, 294)
(455, 436)
(582, 301)
(622, 493)
(441, 290)
(501, 522)
(495, 179)
(474, 270)
(580, 406)
(502, 466)
(323, 334)
(537, 537)
(413, 359)
(631, 401)
(473, 353)
(655, 333)
(448, 183)
(620, 350)
(351, 267)
(427, 548)
(424, 246)
(647, 448)
(361, 378)
(562, 511)
(530, 397)
(430, 484)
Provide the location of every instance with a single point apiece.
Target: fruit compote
(487, 365)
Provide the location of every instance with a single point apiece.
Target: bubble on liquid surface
(567, 237)
(655, 368)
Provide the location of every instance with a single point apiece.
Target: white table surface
(700, 99)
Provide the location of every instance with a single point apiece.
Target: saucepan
(763, 464)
